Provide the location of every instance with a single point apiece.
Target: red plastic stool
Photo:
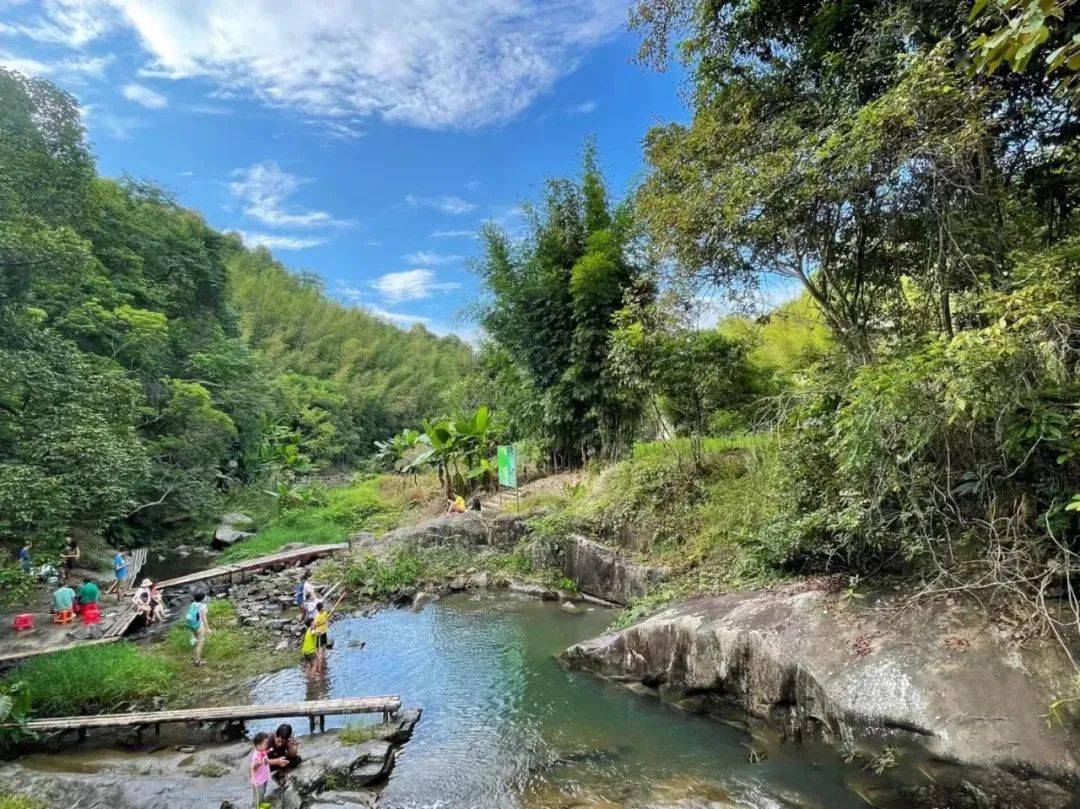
(23, 621)
(63, 617)
(91, 613)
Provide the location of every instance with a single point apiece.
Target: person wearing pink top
(260, 769)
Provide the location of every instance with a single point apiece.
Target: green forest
(151, 366)
(909, 168)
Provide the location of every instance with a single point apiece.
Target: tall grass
(93, 679)
(374, 504)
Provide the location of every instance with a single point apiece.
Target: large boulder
(944, 678)
(600, 571)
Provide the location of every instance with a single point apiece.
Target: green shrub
(15, 586)
(9, 801)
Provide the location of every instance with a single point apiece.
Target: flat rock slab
(942, 677)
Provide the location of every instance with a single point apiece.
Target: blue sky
(365, 141)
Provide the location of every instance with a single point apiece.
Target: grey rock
(423, 598)
(237, 520)
(478, 580)
(819, 669)
(226, 535)
(533, 590)
(570, 607)
(458, 583)
(599, 571)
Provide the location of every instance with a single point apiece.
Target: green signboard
(508, 466)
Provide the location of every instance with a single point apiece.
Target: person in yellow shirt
(309, 648)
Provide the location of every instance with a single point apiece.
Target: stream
(505, 725)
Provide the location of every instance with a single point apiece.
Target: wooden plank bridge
(313, 709)
(124, 620)
(304, 554)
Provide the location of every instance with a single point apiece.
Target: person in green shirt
(63, 599)
(89, 593)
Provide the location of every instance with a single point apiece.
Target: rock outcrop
(944, 679)
(597, 570)
(472, 529)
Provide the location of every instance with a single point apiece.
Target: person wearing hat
(143, 600)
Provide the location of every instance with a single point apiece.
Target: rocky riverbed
(201, 775)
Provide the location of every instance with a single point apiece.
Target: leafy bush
(15, 586)
(9, 801)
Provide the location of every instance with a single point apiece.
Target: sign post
(507, 467)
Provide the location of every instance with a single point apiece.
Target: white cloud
(428, 259)
(274, 241)
(453, 234)
(72, 70)
(265, 187)
(429, 63)
(397, 318)
(73, 23)
(449, 204)
(410, 285)
(585, 108)
(144, 96)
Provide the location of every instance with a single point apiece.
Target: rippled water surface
(505, 725)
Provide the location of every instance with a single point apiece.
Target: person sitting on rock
(142, 601)
(284, 753)
(157, 604)
(456, 505)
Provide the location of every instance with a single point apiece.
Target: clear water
(505, 725)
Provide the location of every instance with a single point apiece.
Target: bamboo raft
(313, 709)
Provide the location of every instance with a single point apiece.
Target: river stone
(422, 599)
(226, 535)
(570, 607)
(236, 519)
(470, 530)
(533, 590)
(822, 669)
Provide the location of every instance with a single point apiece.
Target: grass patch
(232, 652)
(375, 504)
(119, 676)
(358, 734)
(93, 679)
(9, 801)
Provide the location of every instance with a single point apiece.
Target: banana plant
(453, 443)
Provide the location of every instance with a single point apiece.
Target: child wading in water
(309, 649)
(260, 769)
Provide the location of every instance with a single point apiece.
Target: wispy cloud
(120, 127)
(71, 70)
(410, 285)
(412, 61)
(584, 108)
(265, 189)
(448, 204)
(356, 296)
(426, 258)
(273, 241)
(144, 96)
(453, 234)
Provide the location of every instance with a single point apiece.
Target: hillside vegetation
(150, 365)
